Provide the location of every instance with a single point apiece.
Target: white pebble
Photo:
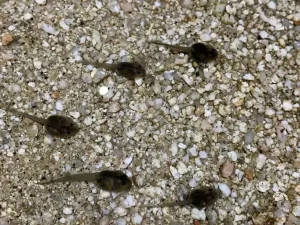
(49, 29)
(48, 139)
(41, 2)
(121, 221)
(270, 112)
(287, 105)
(232, 155)
(203, 154)
(27, 16)
(198, 214)
(174, 149)
(263, 34)
(76, 115)
(129, 201)
(174, 172)
(63, 25)
(120, 211)
(182, 146)
(37, 64)
(21, 151)
(296, 211)
(67, 210)
(260, 161)
(104, 220)
(130, 133)
(248, 76)
(193, 151)
(263, 186)
(136, 219)
(205, 37)
(182, 169)
(98, 4)
(224, 189)
(63, 84)
(272, 5)
(138, 81)
(103, 90)
(88, 121)
(59, 106)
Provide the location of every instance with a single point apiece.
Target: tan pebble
(6, 39)
(263, 218)
(297, 188)
(199, 111)
(248, 174)
(297, 22)
(297, 163)
(238, 101)
(281, 42)
(55, 95)
(227, 169)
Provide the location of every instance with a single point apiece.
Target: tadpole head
(203, 53)
(204, 196)
(61, 126)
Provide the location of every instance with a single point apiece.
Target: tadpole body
(199, 198)
(129, 70)
(200, 52)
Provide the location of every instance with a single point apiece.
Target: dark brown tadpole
(199, 198)
(129, 70)
(57, 125)
(201, 53)
(108, 180)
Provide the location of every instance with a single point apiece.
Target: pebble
(248, 76)
(87, 78)
(263, 186)
(49, 29)
(260, 161)
(67, 211)
(120, 211)
(249, 174)
(127, 7)
(103, 90)
(263, 34)
(193, 151)
(227, 169)
(136, 219)
(63, 84)
(41, 2)
(114, 107)
(272, 5)
(203, 155)
(198, 214)
(59, 106)
(224, 189)
(182, 169)
(187, 4)
(121, 221)
(88, 121)
(55, 95)
(104, 220)
(296, 211)
(233, 156)
(7, 39)
(27, 16)
(129, 201)
(37, 64)
(287, 105)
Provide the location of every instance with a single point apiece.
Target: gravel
(233, 123)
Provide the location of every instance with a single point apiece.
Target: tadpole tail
(107, 66)
(36, 119)
(178, 47)
(89, 177)
(171, 204)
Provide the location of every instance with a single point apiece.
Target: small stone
(136, 219)
(263, 34)
(120, 211)
(224, 189)
(248, 76)
(88, 121)
(248, 174)
(296, 211)
(104, 220)
(121, 221)
(103, 90)
(37, 64)
(182, 169)
(193, 151)
(187, 4)
(55, 95)
(287, 105)
(296, 19)
(7, 39)
(263, 186)
(59, 106)
(114, 107)
(27, 16)
(203, 154)
(260, 161)
(127, 7)
(49, 29)
(63, 84)
(233, 156)
(227, 169)
(272, 5)
(41, 2)
(67, 211)
(198, 214)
